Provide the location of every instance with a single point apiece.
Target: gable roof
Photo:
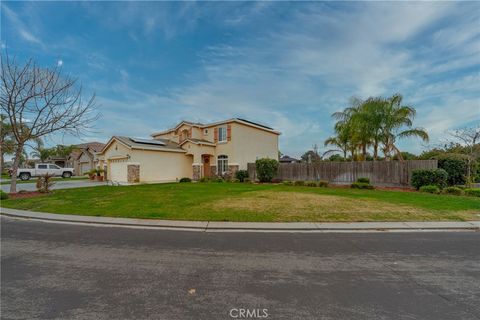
(201, 125)
(286, 158)
(133, 143)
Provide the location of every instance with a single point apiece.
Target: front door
(206, 165)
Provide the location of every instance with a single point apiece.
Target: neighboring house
(193, 150)
(288, 159)
(82, 159)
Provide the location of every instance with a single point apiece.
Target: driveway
(61, 271)
(67, 184)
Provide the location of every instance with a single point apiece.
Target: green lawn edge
(196, 202)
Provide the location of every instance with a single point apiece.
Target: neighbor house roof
(80, 148)
(201, 125)
(288, 159)
(146, 144)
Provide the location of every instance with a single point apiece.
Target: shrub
(185, 179)
(276, 181)
(247, 180)
(456, 167)
(361, 185)
(323, 183)
(454, 191)
(311, 184)
(204, 179)
(430, 189)
(3, 195)
(287, 183)
(218, 179)
(474, 192)
(266, 169)
(363, 180)
(45, 183)
(435, 177)
(299, 183)
(241, 175)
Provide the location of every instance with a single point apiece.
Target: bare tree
(470, 138)
(38, 102)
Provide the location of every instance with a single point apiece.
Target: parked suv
(44, 168)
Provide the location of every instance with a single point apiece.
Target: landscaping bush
(299, 183)
(218, 179)
(453, 191)
(287, 183)
(456, 167)
(204, 179)
(45, 183)
(247, 180)
(311, 184)
(276, 181)
(364, 180)
(323, 183)
(361, 185)
(430, 189)
(241, 175)
(474, 192)
(185, 179)
(435, 177)
(3, 195)
(266, 169)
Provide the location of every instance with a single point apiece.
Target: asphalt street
(64, 184)
(62, 271)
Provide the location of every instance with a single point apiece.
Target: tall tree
(39, 102)
(470, 139)
(396, 117)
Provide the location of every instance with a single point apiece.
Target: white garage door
(118, 171)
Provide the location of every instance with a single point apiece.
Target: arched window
(222, 164)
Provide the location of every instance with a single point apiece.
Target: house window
(222, 164)
(222, 134)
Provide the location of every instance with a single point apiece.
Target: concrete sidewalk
(218, 226)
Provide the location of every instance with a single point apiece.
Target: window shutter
(215, 135)
(229, 132)
(190, 133)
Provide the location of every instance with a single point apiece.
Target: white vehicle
(44, 168)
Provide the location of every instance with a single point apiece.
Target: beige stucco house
(193, 150)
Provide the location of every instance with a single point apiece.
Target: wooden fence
(387, 173)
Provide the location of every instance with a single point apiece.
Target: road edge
(218, 226)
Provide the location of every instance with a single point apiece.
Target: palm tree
(341, 140)
(354, 122)
(7, 142)
(395, 117)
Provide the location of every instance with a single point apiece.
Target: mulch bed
(24, 195)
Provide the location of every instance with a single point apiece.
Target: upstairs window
(222, 164)
(222, 134)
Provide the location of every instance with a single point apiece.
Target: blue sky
(288, 65)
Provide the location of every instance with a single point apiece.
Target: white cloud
(20, 26)
(293, 75)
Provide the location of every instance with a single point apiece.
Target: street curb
(217, 226)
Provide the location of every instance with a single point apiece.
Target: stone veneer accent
(133, 173)
(197, 172)
(213, 171)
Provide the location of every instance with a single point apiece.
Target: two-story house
(193, 150)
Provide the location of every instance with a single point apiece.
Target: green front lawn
(34, 180)
(250, 202)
